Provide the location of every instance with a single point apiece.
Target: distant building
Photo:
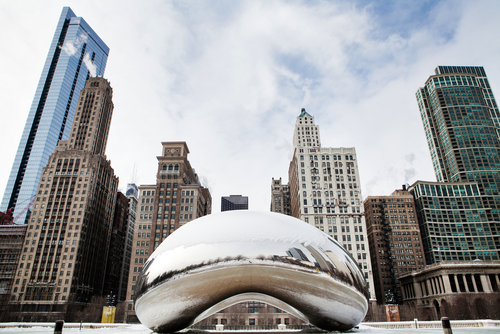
(11, 245)
(114, 268)
(132, 190)
(234, 202)
(280, 197)
(132, 194)
(177, 198)
(75, 47)
(395, 241)
(63, 263)
(460, 290)
(325, 191)
(251, 313)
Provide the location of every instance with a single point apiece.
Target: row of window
(327, 157)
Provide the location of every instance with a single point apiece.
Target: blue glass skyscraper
(76, 52)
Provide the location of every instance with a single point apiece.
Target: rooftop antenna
(134, 174)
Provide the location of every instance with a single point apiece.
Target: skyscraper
(175, 199)
(75, 54)
(63, 261)
(325, 191)
(460, 220)
(234, 202)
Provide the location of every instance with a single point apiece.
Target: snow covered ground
(141, 329)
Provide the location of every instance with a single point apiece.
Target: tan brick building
(63, 260)
(394, 240)
(280, 197)
(177, 198)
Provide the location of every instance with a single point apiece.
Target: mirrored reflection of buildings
(395, 241)
(63, 261)
(325, 191)
(234, 202)
(175, 199)
(76, 52)
(280, 197)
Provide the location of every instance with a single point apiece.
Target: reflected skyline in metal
(222, 259)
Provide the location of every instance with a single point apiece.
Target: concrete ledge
(87, 325)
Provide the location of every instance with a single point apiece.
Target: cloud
(72, 46)
(90, 65)
(230, 79)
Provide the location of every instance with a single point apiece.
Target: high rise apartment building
(325, 191)
(177, 198)
(234, 202)
(63, 259)
(453, 221)
(461, 218)
(76, 52)
(395, 241)
(280, 197)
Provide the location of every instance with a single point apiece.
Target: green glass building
(461, 123)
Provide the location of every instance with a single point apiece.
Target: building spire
(303, 113)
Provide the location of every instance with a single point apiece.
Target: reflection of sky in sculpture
(293, 257)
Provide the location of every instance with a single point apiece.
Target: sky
(230, 77)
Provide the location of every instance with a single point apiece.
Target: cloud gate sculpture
(222, 259)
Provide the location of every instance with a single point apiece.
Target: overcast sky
(230, 78)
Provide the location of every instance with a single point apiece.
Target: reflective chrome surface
(221, 259)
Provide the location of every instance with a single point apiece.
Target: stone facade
(457, 290)
(63, 260)
(325, 191)
(280, 197)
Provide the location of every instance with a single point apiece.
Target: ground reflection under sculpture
(221, 259)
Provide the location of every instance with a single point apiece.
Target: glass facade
(461, 123)
(75, 54)
(453, 222)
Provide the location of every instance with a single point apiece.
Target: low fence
(250, 327)
(86, 325)
(385, 325)
(432, 324)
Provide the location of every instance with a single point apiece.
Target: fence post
(446, 325)
(58, 328)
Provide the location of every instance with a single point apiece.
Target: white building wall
(330, 192)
